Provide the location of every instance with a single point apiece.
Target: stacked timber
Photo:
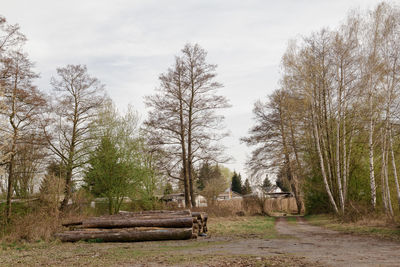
(137, 226)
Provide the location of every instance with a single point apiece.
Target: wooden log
(149, 212)
(180, 222)
(142, 214)
(126, 235)
(72, 223)
(205, 218)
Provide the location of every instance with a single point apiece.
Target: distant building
(179, 198)
(228, 195)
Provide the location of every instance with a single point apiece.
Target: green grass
(329, 221)
(256, 226)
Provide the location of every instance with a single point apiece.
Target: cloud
(127, 44)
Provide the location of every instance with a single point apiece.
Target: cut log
(72, 223)
(147, 212)
(179, 222)
(133, 215)
(126, 235)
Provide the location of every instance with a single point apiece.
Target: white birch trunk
(338, 173)
(389, 200)
(383, 174)
(396, 180)
(371, 156)
(321, 160)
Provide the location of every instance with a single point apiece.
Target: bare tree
(77, 97)
(203, 123)
(23, 105)
(183, 120)
(273, 137)
(166, 124)
(11, 41)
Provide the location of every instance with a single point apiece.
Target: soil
(317, 246)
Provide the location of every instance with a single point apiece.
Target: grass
(244, 227)
(205, 251)
(372, 228)
(164, 253)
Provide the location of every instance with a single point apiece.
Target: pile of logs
(137, 226)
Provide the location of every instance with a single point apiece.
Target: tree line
(74, 137)
(331, 130)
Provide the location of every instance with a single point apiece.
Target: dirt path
(319, 246)
(336, 249)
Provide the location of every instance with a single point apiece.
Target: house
(228, 195)
(179, 198)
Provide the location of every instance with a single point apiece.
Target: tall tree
(184, 119)
(77, 97)
(236, 184)
(166, 124)
(203, 123)
(24, 103)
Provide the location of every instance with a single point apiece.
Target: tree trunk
(126, 235)
(394, 167)
(383, 170)
(321, 160)
(67, 190)
(10, 187)
(338, 170)
(371, 156)
(178, 222)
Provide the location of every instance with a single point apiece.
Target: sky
(128, 44)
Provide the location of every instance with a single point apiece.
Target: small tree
(266, 185)
(246, 189)
(236, 184)
(168, 189)
(215, 185)
(205, 173)
(109, 175)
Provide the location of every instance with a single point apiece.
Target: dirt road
(336, 249)
(319, 246)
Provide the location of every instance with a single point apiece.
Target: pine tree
(168, 189)
(246, 189)
(267, 185)
(205, 173)
(236, 185)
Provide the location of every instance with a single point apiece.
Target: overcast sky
(127, 44)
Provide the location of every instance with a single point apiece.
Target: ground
(237, 241)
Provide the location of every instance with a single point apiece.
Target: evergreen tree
(267, 185)
(236, 185)
(205, 174)
(168, 189)
(246, 189)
